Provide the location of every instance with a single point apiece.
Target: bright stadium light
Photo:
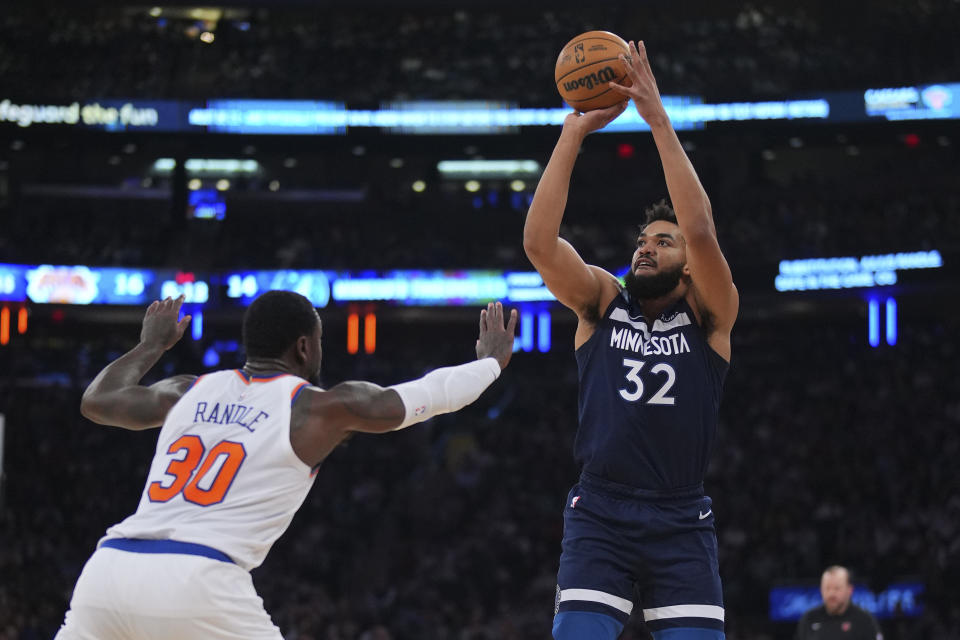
(472, 186)
(194, 184)
(518, 185)
(419, 186)
(458, 169)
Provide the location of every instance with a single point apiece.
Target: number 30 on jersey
(229, 454)
(634, 388)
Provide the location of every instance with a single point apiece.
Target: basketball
(586, 64)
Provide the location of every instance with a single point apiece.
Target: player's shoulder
(609, 290)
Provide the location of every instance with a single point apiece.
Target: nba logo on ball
(578, 53)
(936, 96)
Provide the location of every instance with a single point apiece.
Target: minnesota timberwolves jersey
(649, 396)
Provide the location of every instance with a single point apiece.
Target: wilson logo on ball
(591, 80)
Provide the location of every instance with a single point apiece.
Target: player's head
(283, 325)
(836, 589)
(660, 261)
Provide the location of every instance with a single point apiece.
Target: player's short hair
(658, 211)
(276, 320)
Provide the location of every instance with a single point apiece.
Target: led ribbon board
(80, 284)
(311, 117)
(816, 274)
(788, 604)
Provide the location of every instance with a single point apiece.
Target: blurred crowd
(479, 52)
(816, 201)
(451, 531)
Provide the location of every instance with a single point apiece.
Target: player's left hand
(160, 326)
(496, 339)
(643, 91)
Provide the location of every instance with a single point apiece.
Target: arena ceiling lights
(488, 169)
(209, 166)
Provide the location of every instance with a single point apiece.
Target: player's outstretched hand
(160, 326)
(496, 340)
(643, 90)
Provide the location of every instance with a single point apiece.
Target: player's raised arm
(714, 292)
(367, 407)
(577, 285)
(116, 397)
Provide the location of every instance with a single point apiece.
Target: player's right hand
(591, 121)
(496, 341)
(160, 326)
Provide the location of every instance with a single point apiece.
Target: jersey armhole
(295, 460)
(582, 349)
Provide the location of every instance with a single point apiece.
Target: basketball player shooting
(652, 356)
(236, 455)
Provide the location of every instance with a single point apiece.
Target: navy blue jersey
(649, 398)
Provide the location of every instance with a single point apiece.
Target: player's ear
(302, 348)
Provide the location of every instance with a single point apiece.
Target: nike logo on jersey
(705, 515)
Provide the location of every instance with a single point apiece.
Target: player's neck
(267, 366)
(653, 307)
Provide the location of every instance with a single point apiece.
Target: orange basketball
(585, 66)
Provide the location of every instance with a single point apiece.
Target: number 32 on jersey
(634, 389)
(200, 490)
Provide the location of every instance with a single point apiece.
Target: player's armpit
(135, 407)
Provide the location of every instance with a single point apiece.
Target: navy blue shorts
(616, 539)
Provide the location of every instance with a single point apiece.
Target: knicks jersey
(224, 473)
(649, 397)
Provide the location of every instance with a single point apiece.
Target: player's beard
(652, 286)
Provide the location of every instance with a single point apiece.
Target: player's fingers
(182, 325)
(630, 64)
(512, 323)
(498, 315)
(483, 321)
(644, 59)
(179, 302)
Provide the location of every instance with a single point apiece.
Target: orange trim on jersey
(267, 378)
(296, 391)
(194, 383)
(242, 376)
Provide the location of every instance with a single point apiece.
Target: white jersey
(224, 474)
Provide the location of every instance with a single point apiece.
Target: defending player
(235, 458)
(652, 357)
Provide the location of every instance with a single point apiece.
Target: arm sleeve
(445, 390)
